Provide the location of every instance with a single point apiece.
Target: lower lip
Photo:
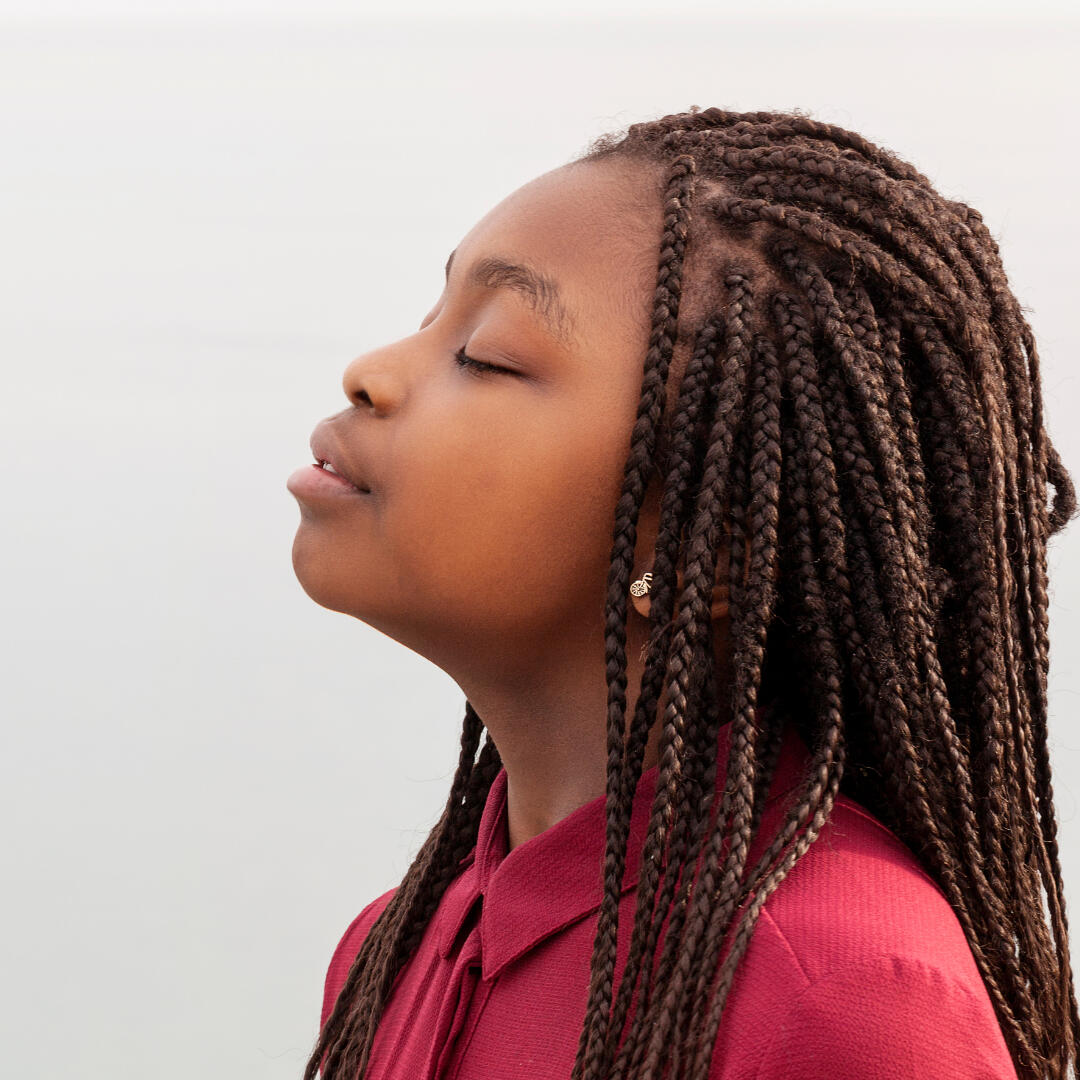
(314, 480)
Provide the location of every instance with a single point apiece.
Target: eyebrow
(539, 289)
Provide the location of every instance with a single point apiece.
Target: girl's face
(485, 540)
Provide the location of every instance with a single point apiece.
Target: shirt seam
(787, 945)
(879, 962)
(854, 808)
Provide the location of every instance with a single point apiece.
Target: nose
(375, 381)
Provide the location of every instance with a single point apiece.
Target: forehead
(593, 231)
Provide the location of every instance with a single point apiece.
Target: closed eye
(478, 367)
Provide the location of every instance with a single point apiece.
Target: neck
(550, 729)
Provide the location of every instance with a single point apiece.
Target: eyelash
(478, 367)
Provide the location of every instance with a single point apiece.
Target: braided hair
(860, 423)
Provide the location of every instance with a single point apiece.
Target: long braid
(695, 390)
(826, 771)
(757, 472)
(690, 637)
(345, 1041)
(642, 448)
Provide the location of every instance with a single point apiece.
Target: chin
(319, 574)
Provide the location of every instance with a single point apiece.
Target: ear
(648, 525)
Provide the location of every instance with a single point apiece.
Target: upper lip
(326, 447)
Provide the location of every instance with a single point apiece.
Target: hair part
(861, 404)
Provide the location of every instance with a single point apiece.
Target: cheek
(514, 526)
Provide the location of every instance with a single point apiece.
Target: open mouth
(328, 468)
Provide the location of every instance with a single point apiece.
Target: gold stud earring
(642, 585)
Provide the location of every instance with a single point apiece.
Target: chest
(446, 1021)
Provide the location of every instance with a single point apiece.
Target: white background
(203, 774)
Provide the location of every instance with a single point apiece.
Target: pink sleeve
(346, 951)
(885, 1018)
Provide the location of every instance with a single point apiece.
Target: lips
(326, 448)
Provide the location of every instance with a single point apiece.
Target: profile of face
(492, 441)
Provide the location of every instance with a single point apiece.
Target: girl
(717, 480)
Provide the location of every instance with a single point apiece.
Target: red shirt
(857, 966)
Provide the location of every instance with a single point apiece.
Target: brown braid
(860, 421)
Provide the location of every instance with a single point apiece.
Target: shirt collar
(553, 879)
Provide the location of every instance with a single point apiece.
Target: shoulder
(861, 891)
(886, 1015)
(860, 959)
(347, 948)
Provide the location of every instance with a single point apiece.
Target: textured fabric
(857, 968)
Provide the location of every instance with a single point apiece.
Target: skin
(485, 543)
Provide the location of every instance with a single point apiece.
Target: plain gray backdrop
(204, 775)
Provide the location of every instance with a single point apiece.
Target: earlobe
(642, 586)
(639, 593)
